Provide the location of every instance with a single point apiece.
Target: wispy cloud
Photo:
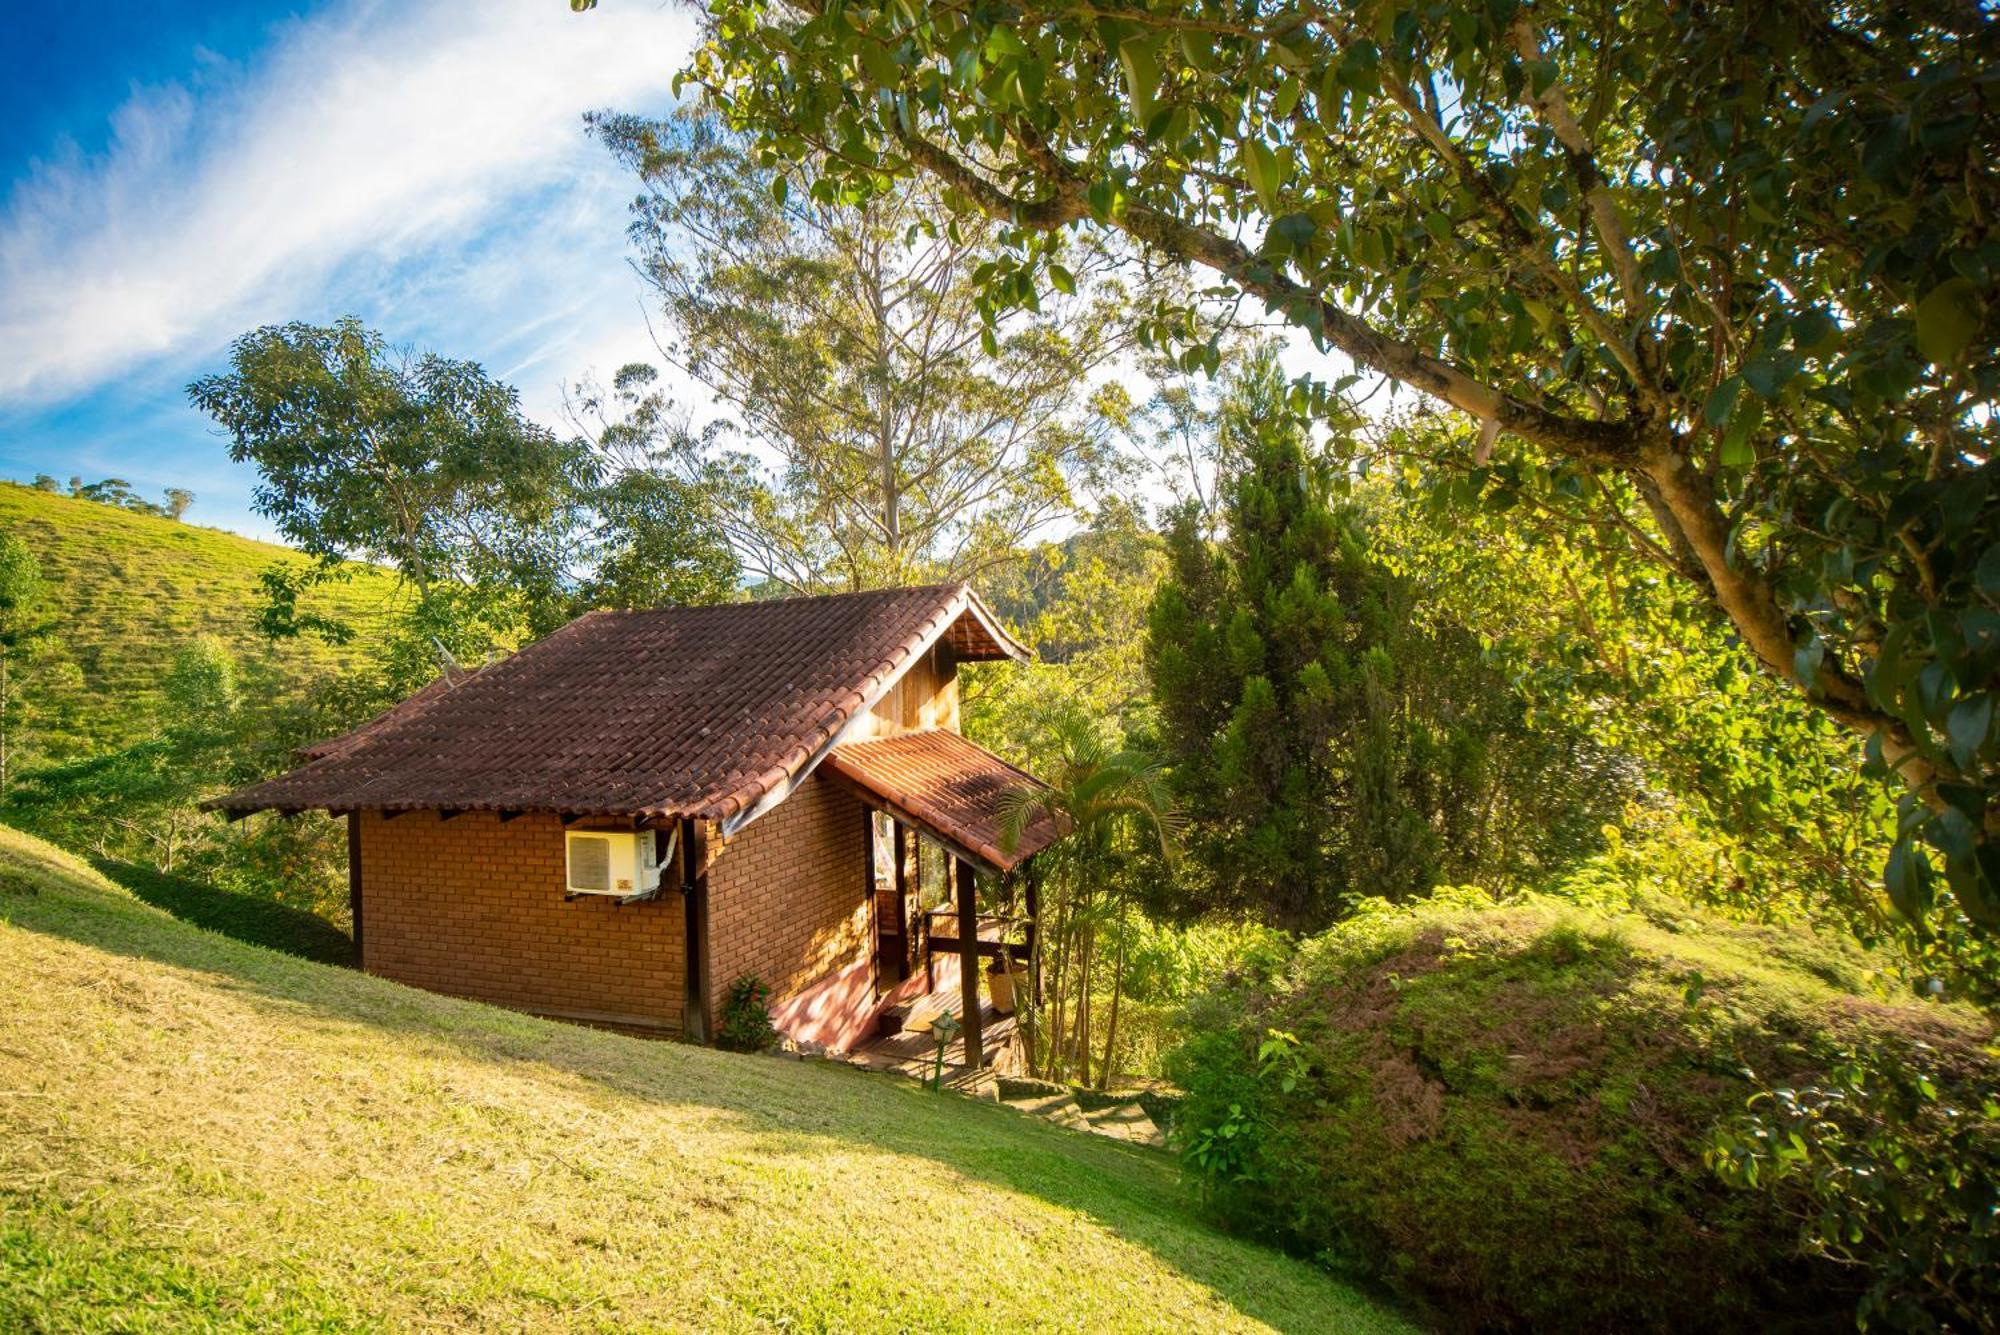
(368, 157)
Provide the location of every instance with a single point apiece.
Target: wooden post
(873, 919)
(354, 883)
(903, 899)
(968, 964)
(695, 1025)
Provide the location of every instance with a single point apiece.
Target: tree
(658, 538)
(1080, 604)
(150, 793)
(1327, 738)
(883, 432)
(178, 501)
(21, 622)
(1721, 274)
(1116, 809)
(415, 460)
(114, 491)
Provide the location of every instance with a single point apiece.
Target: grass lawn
(252, 918)
(199, 1133)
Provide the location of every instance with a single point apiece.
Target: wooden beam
(234, 814)
(448, 813)
(387, 814)
(506, 816)
(571, 817)
(354, 883)
(968, 965)
(697, 1022)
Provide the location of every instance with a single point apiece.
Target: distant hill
(128, 590)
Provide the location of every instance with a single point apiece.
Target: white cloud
(363, 144)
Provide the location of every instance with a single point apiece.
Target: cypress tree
(1272, 660)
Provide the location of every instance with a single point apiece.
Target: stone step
(1058, 1108)
(1128, 1122)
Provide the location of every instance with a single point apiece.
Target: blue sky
(174, 173)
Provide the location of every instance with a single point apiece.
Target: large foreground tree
(1723, 275)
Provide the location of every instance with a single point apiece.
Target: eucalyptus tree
(881, 430)
(1722, 274)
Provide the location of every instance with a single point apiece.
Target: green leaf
(1720, 400)
(1989, 571)
(1966, 728)
(1260, 165)
(1947, 318)
(1743, 424)
(1295, 228)
(1287, 98)
(1908, 880)
(1061, 279)
(1139, 58)
(1198, 48)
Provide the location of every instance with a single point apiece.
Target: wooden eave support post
(968, 965)
(697, 1023)
(903, 899)
(354, 884)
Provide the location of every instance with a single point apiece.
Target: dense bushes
(1503, 1111)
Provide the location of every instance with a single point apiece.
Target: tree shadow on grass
(251, 918)
(801, 1110)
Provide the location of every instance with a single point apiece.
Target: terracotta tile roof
(710, 712)
(947, 786)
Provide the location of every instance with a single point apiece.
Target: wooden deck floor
(913, 1052)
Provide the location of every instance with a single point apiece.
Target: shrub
(1502, 1111)
(1892, 1173)
(745, 1024)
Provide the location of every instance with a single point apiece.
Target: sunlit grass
(127, 591)
(199, 1133)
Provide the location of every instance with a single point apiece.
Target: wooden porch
(908, 1044)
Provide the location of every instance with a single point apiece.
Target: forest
(1503, 504)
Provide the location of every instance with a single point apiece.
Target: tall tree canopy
(884, 432)
(1330, 739)
(1724, 274)
(500, 527)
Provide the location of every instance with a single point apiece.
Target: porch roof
(949, 788)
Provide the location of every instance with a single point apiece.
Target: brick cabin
(795, 765)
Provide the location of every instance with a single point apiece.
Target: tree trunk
(1085, 955)
(1105, 1067)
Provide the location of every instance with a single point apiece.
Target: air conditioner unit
(612, 862)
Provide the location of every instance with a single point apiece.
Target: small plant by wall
(745, 1024)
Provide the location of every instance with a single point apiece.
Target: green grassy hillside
(128, 590)
(201, 1134)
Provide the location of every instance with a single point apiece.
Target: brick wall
(785, 896)
(475, 908)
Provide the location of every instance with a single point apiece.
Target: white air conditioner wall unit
(611, 862)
